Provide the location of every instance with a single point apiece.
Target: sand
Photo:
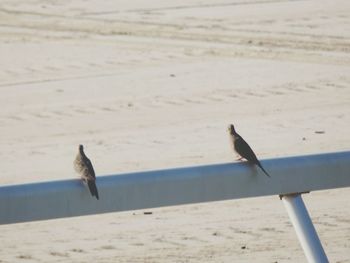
(153, 84)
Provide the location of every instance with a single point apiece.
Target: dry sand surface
(153, 84)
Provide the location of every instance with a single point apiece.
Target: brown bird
(83, 166)
(243, 149)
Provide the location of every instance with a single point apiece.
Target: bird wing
(244, 150)
(90, 168)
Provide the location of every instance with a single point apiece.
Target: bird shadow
(252, 168)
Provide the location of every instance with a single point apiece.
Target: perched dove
(83, 166)
(243, 149)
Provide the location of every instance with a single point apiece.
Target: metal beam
(140, 190)
(304, 228)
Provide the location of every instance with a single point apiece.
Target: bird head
(231, 129)
(81, 148)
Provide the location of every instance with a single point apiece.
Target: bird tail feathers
(93, 188)
(262, 168)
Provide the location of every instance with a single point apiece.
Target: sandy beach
(153, 84)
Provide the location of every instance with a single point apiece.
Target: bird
(243, 148)
(83, 166)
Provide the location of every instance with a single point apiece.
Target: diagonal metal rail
(290, 177)
(121, 192)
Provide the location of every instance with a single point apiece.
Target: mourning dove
(83, 166)
(243, 149)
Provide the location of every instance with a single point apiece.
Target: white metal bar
(304, 228)
(66, 198)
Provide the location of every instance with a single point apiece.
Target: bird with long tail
(83, 166)
(243, 148)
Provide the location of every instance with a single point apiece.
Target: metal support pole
(304, 228)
